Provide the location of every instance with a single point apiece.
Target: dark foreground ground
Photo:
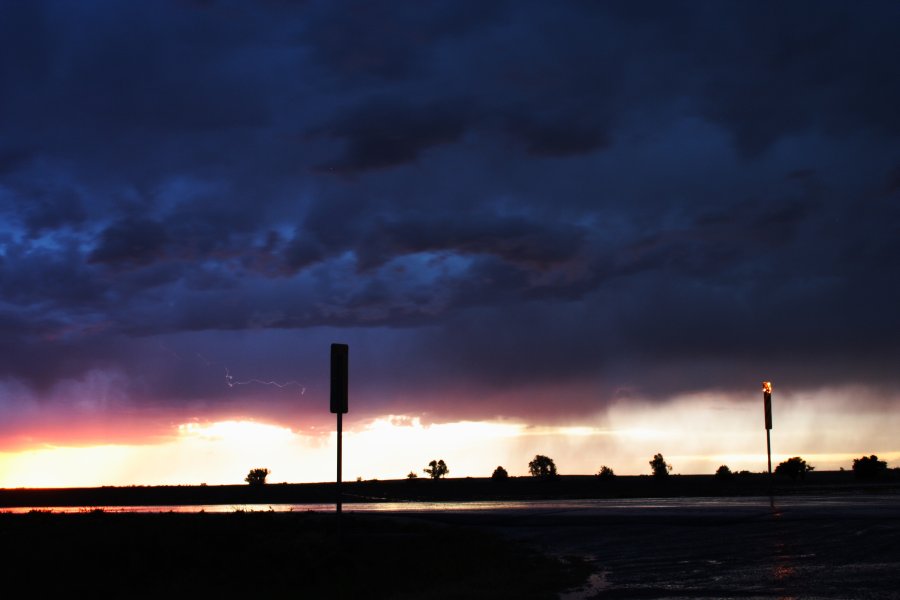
(825, 537)
(270, 555)
(802, 546)
(453, 490)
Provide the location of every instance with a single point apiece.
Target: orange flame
(767, 387)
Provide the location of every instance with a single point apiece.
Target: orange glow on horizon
(695, 433)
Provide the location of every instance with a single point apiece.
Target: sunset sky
(585, 230)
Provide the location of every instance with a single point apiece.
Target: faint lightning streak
(229, 378)
(230, 382)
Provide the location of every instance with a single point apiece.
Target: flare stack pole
(767, 405)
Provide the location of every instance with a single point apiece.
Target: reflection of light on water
(535, 506)
(595, 584)
(782, 572)
(725, 506)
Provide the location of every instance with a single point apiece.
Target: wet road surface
(805, 547)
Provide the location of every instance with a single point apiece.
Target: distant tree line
(540, 467)
(865, 468)
(543, 467)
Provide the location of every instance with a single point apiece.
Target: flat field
(689, 537)
(451, 490)
(270, 555)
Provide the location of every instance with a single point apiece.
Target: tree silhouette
(724, 472)
(257, 476)
(436, 469)
(606, 473)
(412, 475)
(869, 467)
(795, 468)
(500, 474)
(542, 466)
(660, 467)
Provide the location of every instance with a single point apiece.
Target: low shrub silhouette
(660, 467)
(724, 472)
(606, 473)
(257, 476)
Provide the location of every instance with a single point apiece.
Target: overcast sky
(521, 210)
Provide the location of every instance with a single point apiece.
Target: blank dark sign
(339, 376)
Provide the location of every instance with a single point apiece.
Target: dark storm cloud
(11, 159)
(558, 136)
(822, 66)
(390, 41)
(384, 134)
(516, 240)
(510, 195)
(130, 242)
(43, 211)
(302, 252)
(55, 277)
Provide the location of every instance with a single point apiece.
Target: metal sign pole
(767, 407)
(340, 463)
(339, 392)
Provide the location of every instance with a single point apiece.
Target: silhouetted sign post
(340, 354)
(767, 406)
